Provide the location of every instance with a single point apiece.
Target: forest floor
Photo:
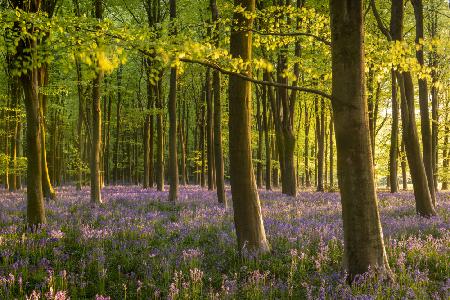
(138, 246)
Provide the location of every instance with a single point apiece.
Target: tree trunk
(47, 188)
(35, 196)
(320, 150)
(218, 152)
(331, 152)
(246, 206)
(445, 155)
(172, 107)
(363, 238)
(259, 171)
(306, 149)
(159, 139)
(266, 140)
(209, 131)
(424, 204)
(79, 125)
(148, 145)
(393, 150)
(423, 103)
(202, 146)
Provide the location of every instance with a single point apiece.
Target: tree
(96, 196)
(27, 50)
(423, 103)
(424, 205)
(172, 106)
(218, 153)
(363, 238)
(247, 210)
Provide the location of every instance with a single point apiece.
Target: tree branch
(380, 24)
(247, 78)
(320, 39)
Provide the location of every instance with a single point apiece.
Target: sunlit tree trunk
(424, 204)
(47, 188)
(246, 206)
(423, 103)
(331, 151)
(96, 196)
(218, 151)
(363, 238)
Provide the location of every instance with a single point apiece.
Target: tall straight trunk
(445, 156)
(423, 197)
(181, 117)
(283, 114)
(107, 140)
(96, 196)
(7, 116)
(363, 237)
(159, 139)
(320, 146)
(79, 125)
(202, 146)
(403, 166)
(331, 152)
(47, 188)
(147, 133)
(393, 150)
(172, 107)
(306, 149)
(433, 27)
(13, 143)
(209, 131)
(423, 103)
(266, 140)
(424, 202)
(35, 196)
(246, 206)
(218, 152)
(118, 123)
(186, 139)
(275, 173)
(259, 171)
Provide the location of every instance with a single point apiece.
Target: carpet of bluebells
(138, 246)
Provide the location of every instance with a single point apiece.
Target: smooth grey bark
(363, 237)
(248, 221)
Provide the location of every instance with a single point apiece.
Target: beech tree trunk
(47, 188)
(96, 196)
(423, 103)
(320, 146)
(306, 149)
(209, 131)
(445, 156)
(172, 106)
(424, 203)
(148, 134)
(246, 206)
(266, 140)
(331, 152)
(159, 139)
(363, 237)
(393, 150)
(218, 152)
(259, 171)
